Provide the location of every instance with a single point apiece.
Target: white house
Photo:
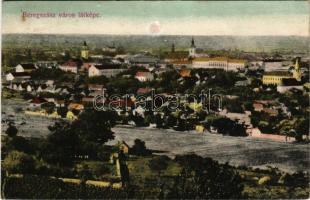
(108, 70)
(29, 88)
(15, 86)
(144, 76)
(50, 89)
(9, 77)
(39, 89)
(49, 82)
(20, 87)
(139, 111)
(95, 87)
(283, 89)
(69, 66)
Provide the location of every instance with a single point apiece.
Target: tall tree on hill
(203, 178)
(11, 131)
(82, 137)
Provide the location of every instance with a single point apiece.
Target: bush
(19, 162)
(139, 148)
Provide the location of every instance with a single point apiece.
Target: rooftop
(70, 64)
(278, 73)
(220, 59)
(139, 74)
(20, 74)
(28, 66)
(107, 66)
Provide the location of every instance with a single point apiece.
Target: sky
(161, 18)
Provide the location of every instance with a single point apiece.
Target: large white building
(108, 70)
(219, 63)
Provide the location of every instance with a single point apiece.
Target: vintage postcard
(155, 100)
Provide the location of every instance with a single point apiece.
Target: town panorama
(154, 116)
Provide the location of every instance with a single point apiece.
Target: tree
(98, 80)
(158, 120)
(204, 178)
(139, 148)
(62, 145)
(19, 162)
(82, 137)
(18, 143)
(158, 164)
(234, 106)
(123, 85)
(302, 128)
(62, 111)
(227, 126)
(11, 131)
(49, 107)
(95, 126)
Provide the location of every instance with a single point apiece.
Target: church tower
(85, 51)
(192, 49)
(172, 48)
(296, 72)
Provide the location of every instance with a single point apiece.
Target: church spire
(297, 67)
(172, 48)
(84, 51)
(192, 49)
(296, 72)
(193, 42)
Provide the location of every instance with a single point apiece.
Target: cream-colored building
(219, 63)
(276, 77)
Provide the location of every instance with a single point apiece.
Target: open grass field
(237, 151)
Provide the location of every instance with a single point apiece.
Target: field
(237, 151)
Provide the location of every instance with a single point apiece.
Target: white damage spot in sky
(155, 28)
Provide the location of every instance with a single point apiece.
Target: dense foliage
(204, 178)
(33, 187)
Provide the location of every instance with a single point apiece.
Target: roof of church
(290, 82)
